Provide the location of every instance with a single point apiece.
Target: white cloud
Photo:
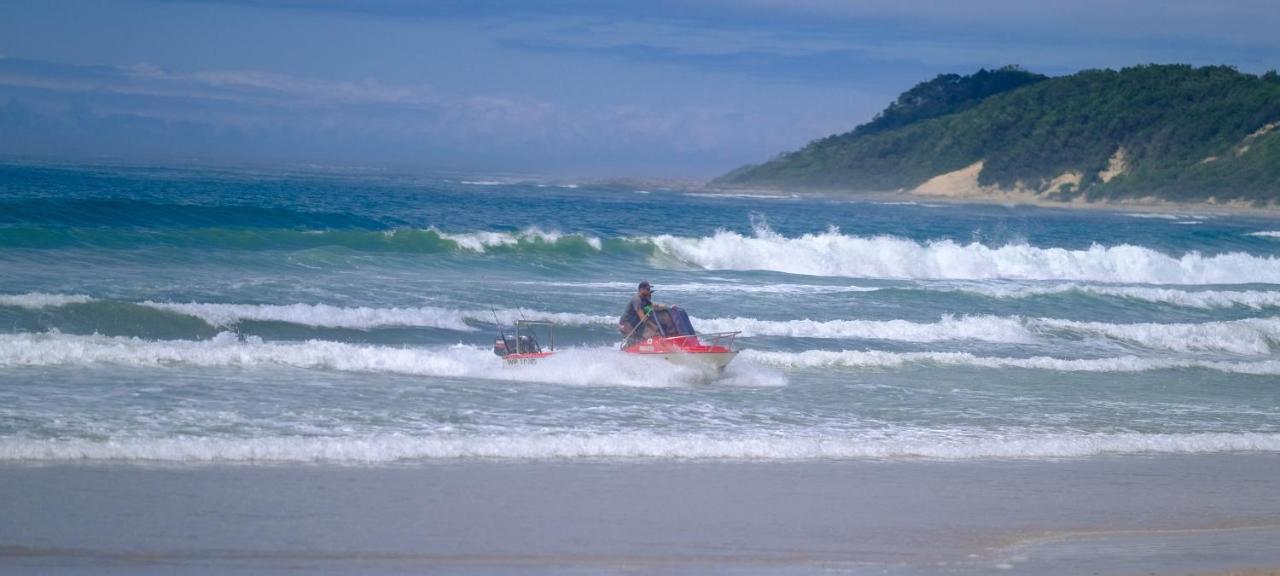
(373, 113)
(1053, 34)
(1241, 21)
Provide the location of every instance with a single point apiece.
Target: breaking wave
(834, 254)
(937, 445)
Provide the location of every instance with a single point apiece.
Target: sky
(661, 89)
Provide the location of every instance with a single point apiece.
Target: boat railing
(724, 339)
(527, 328)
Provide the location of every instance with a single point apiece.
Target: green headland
(1146, 134)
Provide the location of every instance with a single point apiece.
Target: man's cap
(643, 285)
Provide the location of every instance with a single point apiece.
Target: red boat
(666, 334)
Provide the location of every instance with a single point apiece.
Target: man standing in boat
(634, 324)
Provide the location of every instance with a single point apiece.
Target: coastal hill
(1155, 133)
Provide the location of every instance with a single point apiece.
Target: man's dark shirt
(630, 316)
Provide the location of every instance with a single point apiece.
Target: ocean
(186, 316)
(241, 371)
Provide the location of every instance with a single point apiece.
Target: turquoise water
(195, 315)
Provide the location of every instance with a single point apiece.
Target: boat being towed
(666, 333)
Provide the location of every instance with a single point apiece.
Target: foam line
(480, 241)
(712, 287)
(883, 359)
(1205, 299)
(937, 445)
(984, 328)
(1248, 336)
(573, 366)
(1254, 336)
(36, 300)
(583, 367)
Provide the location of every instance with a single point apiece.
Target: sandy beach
(1015, 198)
(1123, 515)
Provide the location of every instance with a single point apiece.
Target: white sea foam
(834, 254)
(985, 328)
(1266, 234)
(584, 367)
(35, 300)
(1250, 336)
(601, 366)
(883, 359)
(1206, 299)
(1254, 336)
(938, 445)
(711, 287)
(480, 241)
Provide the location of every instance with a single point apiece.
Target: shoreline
(1188, 514)
(1013, 200)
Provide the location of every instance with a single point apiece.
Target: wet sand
(1107, 515)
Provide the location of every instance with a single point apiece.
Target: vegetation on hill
(1184, 134)
(947, 94)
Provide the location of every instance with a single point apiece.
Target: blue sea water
(188, 315)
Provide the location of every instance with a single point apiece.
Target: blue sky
(655, 89)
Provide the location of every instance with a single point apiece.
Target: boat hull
(699, 360)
